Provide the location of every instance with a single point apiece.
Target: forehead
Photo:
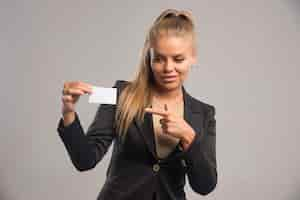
(172, 45)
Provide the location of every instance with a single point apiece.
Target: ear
(194, 56)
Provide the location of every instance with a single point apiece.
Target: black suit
(134, 171)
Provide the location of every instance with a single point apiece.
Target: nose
(169, 65)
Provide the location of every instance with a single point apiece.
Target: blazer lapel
(191, 116)
(147, 132)
(193, 113)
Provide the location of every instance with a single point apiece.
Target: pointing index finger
(157, 112)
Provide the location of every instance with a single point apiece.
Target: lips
(169, 78)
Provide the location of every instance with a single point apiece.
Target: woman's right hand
(71, 94)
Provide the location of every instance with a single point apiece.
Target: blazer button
(156, 167)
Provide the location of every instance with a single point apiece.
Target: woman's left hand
(174, 125)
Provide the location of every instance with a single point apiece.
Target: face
(171, 58)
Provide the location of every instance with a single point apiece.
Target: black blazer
(134, 171)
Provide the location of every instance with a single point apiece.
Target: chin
(170, 85)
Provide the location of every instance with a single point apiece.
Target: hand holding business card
(103, 95)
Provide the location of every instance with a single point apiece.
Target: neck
(164, 94)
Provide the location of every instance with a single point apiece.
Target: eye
(179, 60)
(157, 59)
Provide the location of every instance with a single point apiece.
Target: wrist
(68, 118)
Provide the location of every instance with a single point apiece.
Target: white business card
(103, 95)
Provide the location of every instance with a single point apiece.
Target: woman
(160, 132)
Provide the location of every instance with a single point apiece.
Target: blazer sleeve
(200, 157)
(86, 150)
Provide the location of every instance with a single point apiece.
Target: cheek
(183, 71)
(156, 69)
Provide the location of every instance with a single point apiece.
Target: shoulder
(205, 107)
(120, 83)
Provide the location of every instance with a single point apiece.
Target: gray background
(248, 68)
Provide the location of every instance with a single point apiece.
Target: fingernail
(166, 107)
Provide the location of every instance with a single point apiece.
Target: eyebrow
(159, 54)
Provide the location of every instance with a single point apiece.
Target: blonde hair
(138, 93)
